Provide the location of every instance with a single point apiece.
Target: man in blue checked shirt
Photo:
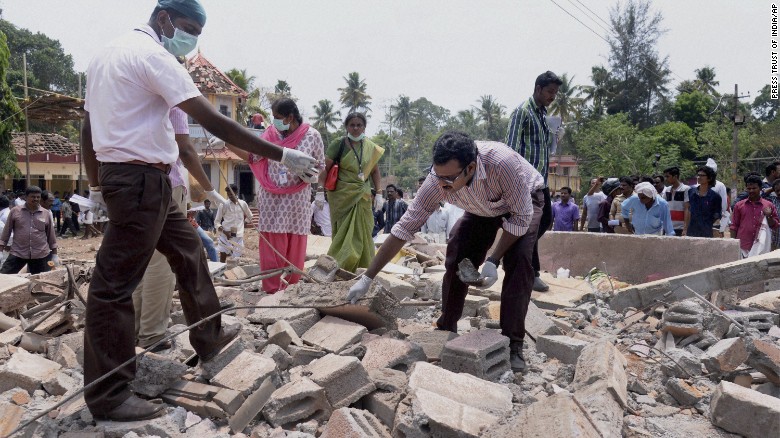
(530, 136)
(650, 212)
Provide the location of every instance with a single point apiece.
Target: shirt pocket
(38, 224)
(653, 222)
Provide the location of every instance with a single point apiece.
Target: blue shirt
(55, 206)
(565, 215)
(648, 221)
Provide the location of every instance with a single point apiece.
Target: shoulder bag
(333, 173)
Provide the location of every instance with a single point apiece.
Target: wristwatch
(493, 261)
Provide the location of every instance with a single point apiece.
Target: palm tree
(567, 102)
(705, 80)
(247, 83)
(282, 88)
(402, 113)
(325, 117)
(354, 96)
(490, 112)
(469, 122)
(598, 93)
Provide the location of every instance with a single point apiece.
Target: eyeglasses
(701, 175)
(447, 179)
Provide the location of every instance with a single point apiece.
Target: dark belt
(165, 168)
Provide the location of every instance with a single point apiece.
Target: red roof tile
(209, 79)
(44, 143)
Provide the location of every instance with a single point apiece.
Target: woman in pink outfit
(284, 198)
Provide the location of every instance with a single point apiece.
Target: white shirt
(231, 215)
(322, 217)
(132, 84)
(18, 202)
(454, 213)
(437, 222)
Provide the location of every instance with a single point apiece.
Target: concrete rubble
(604, 357)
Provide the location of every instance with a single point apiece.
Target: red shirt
(257, 119)
(747, 218)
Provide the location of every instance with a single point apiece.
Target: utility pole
(26, 121)
(81, 148)
(738, 120)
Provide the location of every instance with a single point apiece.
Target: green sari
(351, 215)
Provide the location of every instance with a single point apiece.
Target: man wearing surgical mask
(129, 147)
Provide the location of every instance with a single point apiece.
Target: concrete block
(26, 371)
(10, 417)
(333, 334)
(472, 305)
(691, 364)
(254, 405)
(324, 269)
(765, 358)
(392, 353)
(14, 292)
(304, 355)
(300, 319)
(481, 353)
(538, 324)
(432, 342)
(282, 334)
(684, 393)
(229, 400)
(556, 416)
(425, 413)
(383, 405)
(210, 368)
(155, 373)
(386, 379)
(463, 389)
(192, 390)
(725, 356)
(278, 355)
(11, 336)
(6, 322)
(297, 402)
(61, 383)
(744, 411)
(601, 361)
(343, 377)
(758, 319)
(683, 318)
(245, 373)
(400, 289)
(767, 300)
(603, 408)
(74, 341)
(354, 423)
(377, 309)
(564, 348)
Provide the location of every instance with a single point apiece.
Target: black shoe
(228, 334)
(134, 409)
(167, 345)
(516, 361)
(539, 285)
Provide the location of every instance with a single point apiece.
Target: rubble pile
(671, 366)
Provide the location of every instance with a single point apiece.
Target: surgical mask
(181, 44)
(280, 125)
(358, 138)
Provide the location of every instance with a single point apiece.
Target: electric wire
(587, 15)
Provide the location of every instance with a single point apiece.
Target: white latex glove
(309, 177)
(359, 289)
(3, 255)
(215, 197)
(299, 162)
(56, 260)
(96, 196)
(489, 274)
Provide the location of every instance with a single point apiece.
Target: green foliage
(252, 103)
(679, 135)
(764, 106)
(692, 108)
(354, 96)
(10, 117)
(325, 117)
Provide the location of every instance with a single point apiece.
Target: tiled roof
(210, 79)
(44, 143)
(220, 154)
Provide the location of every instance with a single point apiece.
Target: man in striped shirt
(530, 136)
(498, 189)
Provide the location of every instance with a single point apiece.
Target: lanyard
(359, 157)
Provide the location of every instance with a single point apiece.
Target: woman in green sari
(351, 214)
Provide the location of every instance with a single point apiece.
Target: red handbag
(333, 173)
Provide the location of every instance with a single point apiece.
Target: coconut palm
(598, 93)
(469, 122)
(282, 88)
(490, 112)
(402, 113)
(354, 96)
(252, 103)
(705, 80)
(325, 116)
(567, 103)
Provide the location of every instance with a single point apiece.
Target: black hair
(56, 193)
(749, 174)
(628, 180)
(45, 195)
(710, 174)
(646, 178)
(568, 189)
(286, 106)
(674, 171)
(400, 193)
(546, 79)
(421, 179)
(775, 182)
(753, 179)
(771, 168)
(391, 185)
(32, 189)
(454, 145)
(351, 116)
(234, 188)
(4, 202)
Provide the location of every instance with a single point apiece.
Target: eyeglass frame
(447, 179)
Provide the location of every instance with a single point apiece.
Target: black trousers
(544, 224)
(143, 218)
(67, 224)
(14, 264)
(471, 237)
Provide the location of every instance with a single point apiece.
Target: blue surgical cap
(189, 8)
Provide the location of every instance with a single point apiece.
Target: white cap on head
(711, 164)
(647, 189)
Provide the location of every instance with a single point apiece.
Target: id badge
(283, 177)
(362, 176)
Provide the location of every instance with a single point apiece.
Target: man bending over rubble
(497, 188)
(129, 147)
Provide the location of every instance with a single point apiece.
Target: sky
(449, 51)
